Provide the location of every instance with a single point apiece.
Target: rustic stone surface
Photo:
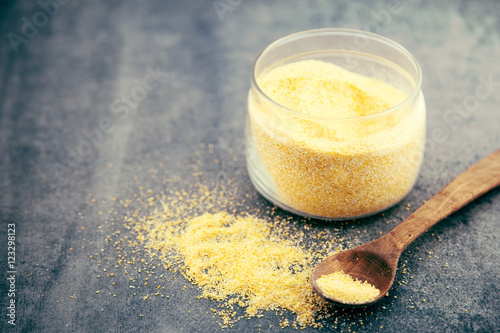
(65, 131)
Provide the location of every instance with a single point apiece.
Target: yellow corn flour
(321, 157)
(343, 288)
(234, 259)
(239, 260)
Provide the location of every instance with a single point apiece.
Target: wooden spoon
(376, 262)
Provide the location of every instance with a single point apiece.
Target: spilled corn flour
(241, 261)
(343, 288)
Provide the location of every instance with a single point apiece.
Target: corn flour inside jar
(330, 142)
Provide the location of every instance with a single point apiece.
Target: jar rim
(340, 31)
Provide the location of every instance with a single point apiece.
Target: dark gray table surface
(64, 70)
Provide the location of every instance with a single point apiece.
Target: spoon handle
(472, 183)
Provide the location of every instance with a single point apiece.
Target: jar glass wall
(336, 167)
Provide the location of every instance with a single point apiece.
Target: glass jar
(336, 168)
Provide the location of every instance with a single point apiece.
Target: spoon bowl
(376, 262)
(361, 264)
